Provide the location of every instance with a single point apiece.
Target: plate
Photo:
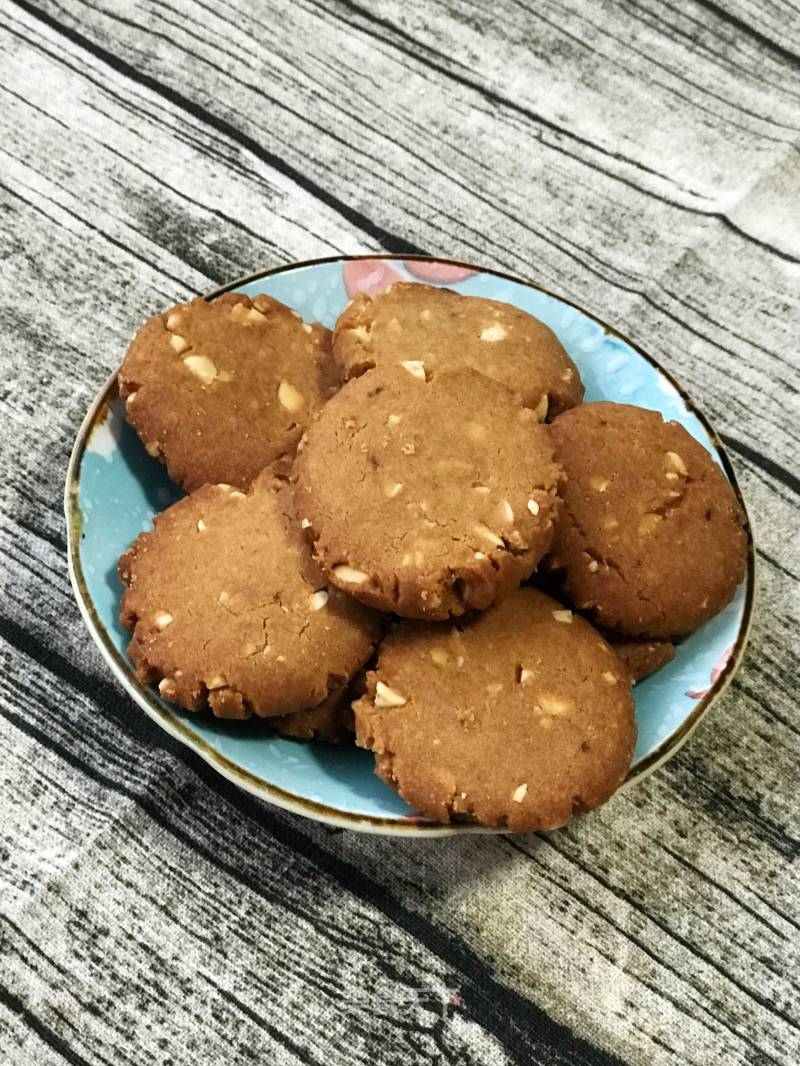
(114, 489)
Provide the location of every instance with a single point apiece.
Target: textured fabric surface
(640, 159)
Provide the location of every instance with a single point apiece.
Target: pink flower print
(719, 666)
(368, 275)
(438, 273)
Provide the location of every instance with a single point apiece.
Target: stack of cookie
(381, 495)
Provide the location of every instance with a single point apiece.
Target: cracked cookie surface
(229, 610)
(220, 389)
(427, 497)
(519, 717)
(443, 330)
(651, 540)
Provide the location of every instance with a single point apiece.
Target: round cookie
(444, 330)
(228, 609)
(651, 539)
(220, 389)
(519, 719)
(427, 497)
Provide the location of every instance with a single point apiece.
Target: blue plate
(114, 489)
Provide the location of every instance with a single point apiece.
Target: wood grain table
(642, 159)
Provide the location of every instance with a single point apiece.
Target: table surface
(640, 159)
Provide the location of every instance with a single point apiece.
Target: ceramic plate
(114, 489)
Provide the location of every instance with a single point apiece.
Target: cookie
(518, 718)
(427, 497)
(330, 721)
(228, 610)
(443, 330)
(651, 540)
(220, 389)
(641, 658)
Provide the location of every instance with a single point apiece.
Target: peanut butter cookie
(520, 717)
(220, 389)
(427, 495)
(651, 540)
(228, 610)
(443, 330)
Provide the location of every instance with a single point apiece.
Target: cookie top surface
(221, 389)
(651, 539)
(427, 497)
(443, 330)
(519, 718)
(229, 610)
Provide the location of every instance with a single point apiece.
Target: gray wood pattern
(642, 159)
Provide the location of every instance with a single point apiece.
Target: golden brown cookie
(228, 609)
(427, 497)
(330, 721)
(519, 718)
(641, 658)
(443, 330)
(651, 540)
(220, 389)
